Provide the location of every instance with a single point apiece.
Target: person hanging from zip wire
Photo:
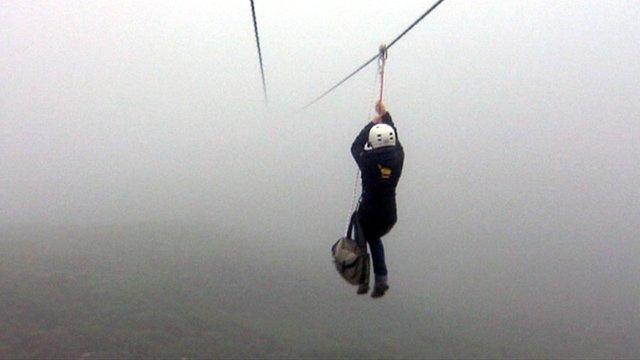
(380, 157)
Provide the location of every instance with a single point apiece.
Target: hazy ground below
(178, 291)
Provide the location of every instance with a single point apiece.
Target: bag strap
(359, 234)
(352, 224)
(355, 229)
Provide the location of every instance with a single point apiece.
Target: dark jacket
(381, 168)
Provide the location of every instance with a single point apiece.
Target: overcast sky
(117, 111)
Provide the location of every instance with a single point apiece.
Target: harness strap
(382, 60)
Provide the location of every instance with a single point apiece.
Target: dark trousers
(376, 220)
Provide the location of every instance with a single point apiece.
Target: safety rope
(255, 28)
(354, 199)
(375, 56)
(382, 59)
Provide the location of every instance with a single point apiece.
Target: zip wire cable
(415, 22)
(255, 27)
(376, 56)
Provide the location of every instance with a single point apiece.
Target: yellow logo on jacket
(385, 172)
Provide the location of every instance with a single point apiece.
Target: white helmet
(382, 135)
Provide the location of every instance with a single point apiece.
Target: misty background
(519, 205)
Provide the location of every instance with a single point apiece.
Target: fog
(519, 205)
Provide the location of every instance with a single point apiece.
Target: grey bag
(350, 255)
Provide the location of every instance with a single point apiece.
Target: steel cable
(375, 56)
(255, 27)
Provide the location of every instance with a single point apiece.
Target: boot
(379, 289)
(363, 289)
(380, 286)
